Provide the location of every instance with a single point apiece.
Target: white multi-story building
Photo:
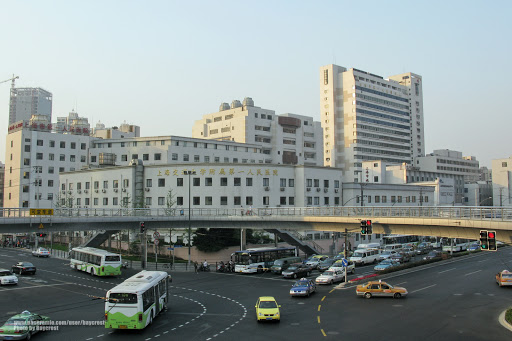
(450, 162)
(366, 117)
(124, 130)
(502, 182)
(245, 186)
(284, 139)
(25, 102)
(72, 123)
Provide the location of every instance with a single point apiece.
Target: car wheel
(367, 295)
(308, 273)
(294, 275)
(331, 282)
(353, 271)
(397, 295)
(29, 335)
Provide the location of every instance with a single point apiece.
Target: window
(96, 184)
(237, 201)
(87, 185)
(39, 156)
(161, 201)
(124, 157)
(135, 156)
(237, 182)
(196, 181)
(126, 183)
(326, 201)
(50, 196)
(50, 183)
(384, 199)
(377, 199)
(82, 158)
(105, 201)
(149, 201)
(248, 181)
(282, 182)
(149, 183)
(291, 182)
(196, 201)
(393, 199)
(174, 156)
(95, 201)
(83, 146)
(282, 200)
(309, 183)
(61, 169)
(326, 183)
(62, 157)
(115, 201)
(206, 159)
(196, 158)
(185, 157)
(223, 181)
(93, 158)
(208, 182)
(161, 182)
(317, 183)
(336, 200)
(87, 201)
(27, 148)
(208, 201)
(73, 145)
(115, 183)
(316, 200)
(309, 201)
(62, 144)
(145, 157)
(336, 183)
(223, 201)
(105, 184)
(52, 144)
(266, 182)
(179, 201)
(248, 200)
(78, 185)
(179, 182)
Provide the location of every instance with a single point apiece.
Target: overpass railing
(441, 212)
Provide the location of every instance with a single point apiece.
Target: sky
(164, 64)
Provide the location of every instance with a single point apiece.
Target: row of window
(62, 144)
(62, 157)
(394, 199)
(96, 184)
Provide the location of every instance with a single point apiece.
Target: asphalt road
(449, 300)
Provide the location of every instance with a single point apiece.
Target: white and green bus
(134, 303)
(95, 261)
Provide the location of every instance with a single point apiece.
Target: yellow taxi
(380, 288)
(267, 309)
(504, 278)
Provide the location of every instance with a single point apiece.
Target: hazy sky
(163, 64)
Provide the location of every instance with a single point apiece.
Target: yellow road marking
(331, 291)
(323, 298)
(323, 332)
(319, 306)
(318, 319)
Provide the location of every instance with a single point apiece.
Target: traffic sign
(156, 234)
(344, 262)
(41, 226)
(156, 241)
(178, 245)
(41, 211)
(170, 248)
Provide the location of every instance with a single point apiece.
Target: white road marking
(474, 272)
(430, 286)
(37, 286)
(440, 272)
(400, 283)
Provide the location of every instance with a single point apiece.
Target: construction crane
(11, 79)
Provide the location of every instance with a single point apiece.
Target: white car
(7, 277)
(331, 276)
(41, 252)
(387, 254)
(338, 265)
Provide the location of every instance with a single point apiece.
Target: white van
(368, 246)
(393, 247)
(365, 256)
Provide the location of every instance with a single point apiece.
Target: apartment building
(366, 117)
(284, 139)
(25, 102)
(450, 162)
(501, 182)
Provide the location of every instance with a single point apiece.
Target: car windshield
(506, 275)
(292, 268)
(5, 273)
(300, 284)
(384, 262)
(327, 261)
(358, 254)
(26, 264)
(122, 298)
(278, 262)
(42, 249)
(329, 273)
(385, 253)
(15, 321)
(268, 304)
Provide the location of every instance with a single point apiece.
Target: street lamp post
(480, 203)
(189, 173)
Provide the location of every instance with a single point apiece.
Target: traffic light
(484, 242)
(364, 227)
(491, 240)
(369, 227)
(41, 234)
(142, 227)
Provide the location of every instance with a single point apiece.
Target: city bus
(95, 261)
(455, 244)
(134, 303)
(260, 259)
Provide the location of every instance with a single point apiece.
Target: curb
(504, 322)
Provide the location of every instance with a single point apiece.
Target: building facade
(284, 139)
(502, 182)
(366, 117)
(450, 162)
(25, 102)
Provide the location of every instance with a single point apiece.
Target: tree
(170, 203)
(213, 240)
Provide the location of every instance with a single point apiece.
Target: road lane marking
(323, 298)
(319, 306)
(37, 286)
(318, 319)
(430, 286)
(474, 272)
(440, 272)
(400, 283)
(323, 332)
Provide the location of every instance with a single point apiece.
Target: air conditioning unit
(96, 190)
(79, 191)
(115, 190)
(267, 189)
(308, 189)
(69, 192)
(336, 190)
(63, 192)
(146, 189)
(103, 190)
(124, 189)
(86, 191)
(318, 189)
(282, 189)
(326, 190)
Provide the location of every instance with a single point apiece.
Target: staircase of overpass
(99, 238)
(308, 246)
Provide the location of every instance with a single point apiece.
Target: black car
(325, 264)
(297, 270)
(24, 268)
(432, 255)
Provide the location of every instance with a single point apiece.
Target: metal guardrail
(442, 212)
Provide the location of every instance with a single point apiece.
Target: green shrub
(508, 316)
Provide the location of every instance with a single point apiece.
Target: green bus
(95, 261)
(134, 303)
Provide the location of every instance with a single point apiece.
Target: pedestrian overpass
(441, 221)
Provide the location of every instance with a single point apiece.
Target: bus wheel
(260, 269)
(92, 272)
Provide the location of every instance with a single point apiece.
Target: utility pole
(345, 254)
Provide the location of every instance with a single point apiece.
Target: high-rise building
(25, 102)
(284, 139)
(366, 117)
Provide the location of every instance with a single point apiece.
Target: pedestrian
(242, 210)
(195, 267)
